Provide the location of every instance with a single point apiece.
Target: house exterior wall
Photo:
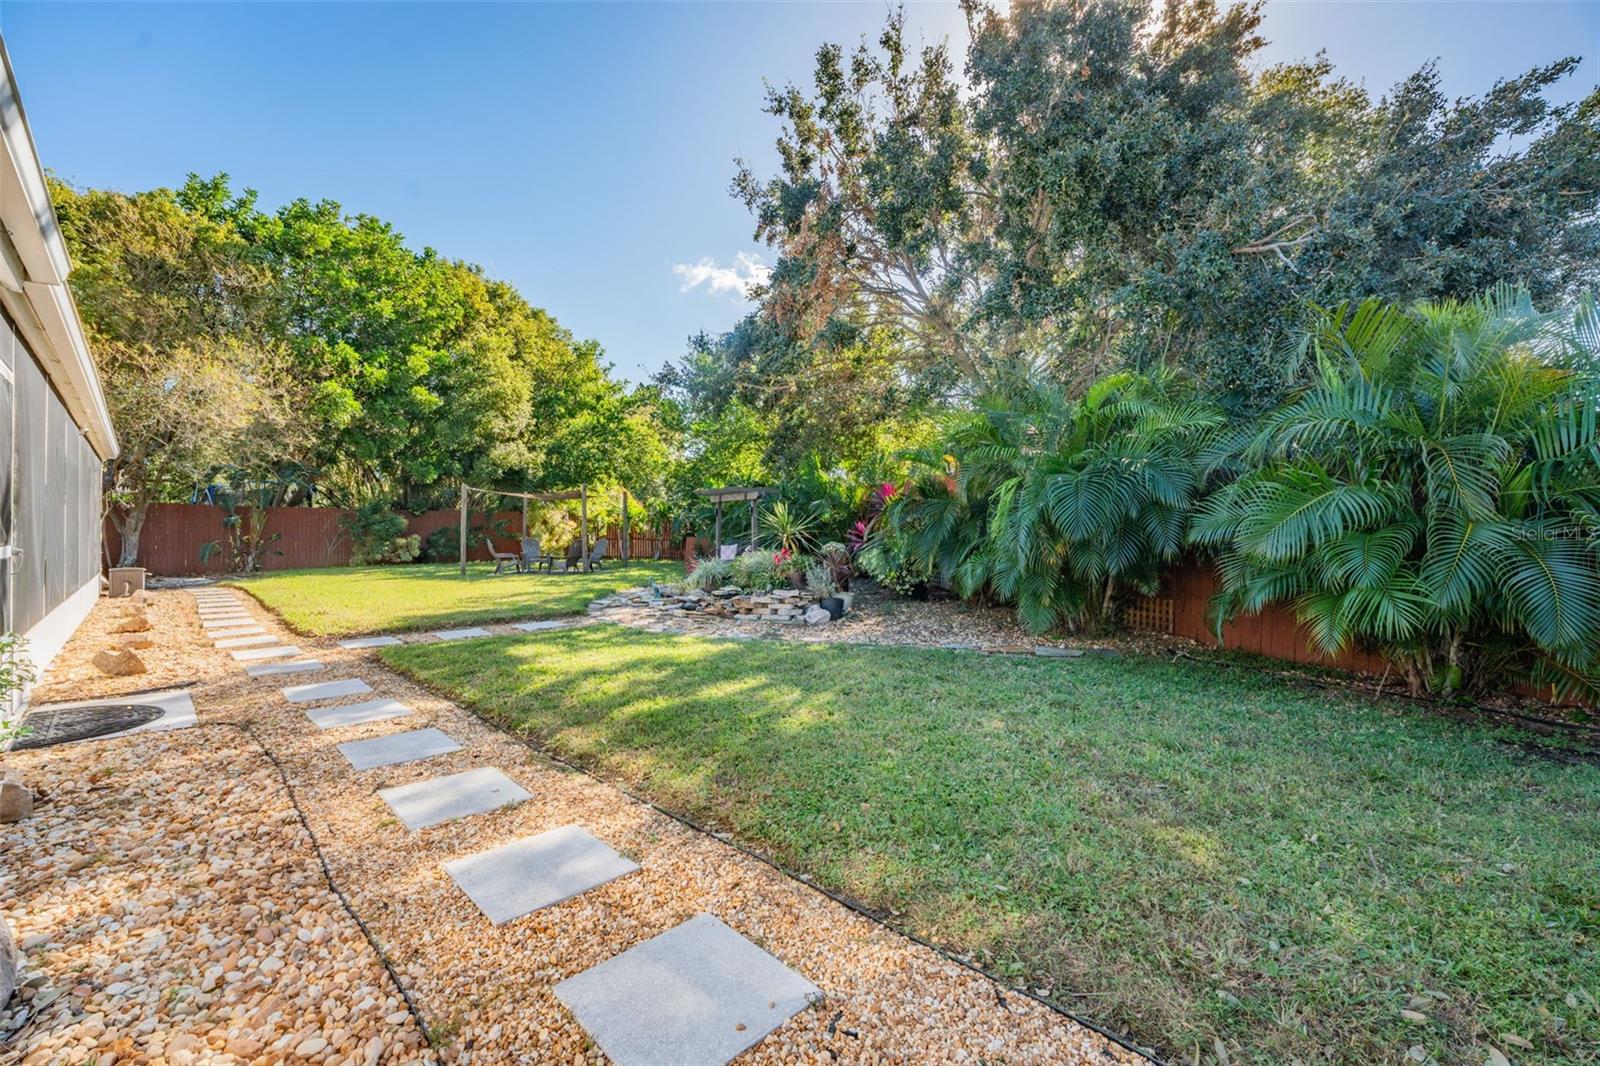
(49, 495)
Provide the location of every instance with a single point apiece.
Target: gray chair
(503, 559)
(598, 553)
(532, 556)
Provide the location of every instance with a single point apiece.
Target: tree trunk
(130, 527)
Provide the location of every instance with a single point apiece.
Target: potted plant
(819, 580)
(841, 568)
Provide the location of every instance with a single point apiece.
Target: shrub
(755, 570)
(819, 579)
(711, 574)
(378, 535)
(1054, 503)
(1434, 494)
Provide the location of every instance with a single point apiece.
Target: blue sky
(582, 152)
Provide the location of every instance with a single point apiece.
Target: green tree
(178, 312)
(1108, 188)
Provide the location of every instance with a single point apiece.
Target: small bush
(755, 571)
(819, 579)
(711, 574)
(378, 535)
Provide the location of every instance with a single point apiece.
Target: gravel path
(484, 991)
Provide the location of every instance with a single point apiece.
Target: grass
(1185, 852)
(339, 601)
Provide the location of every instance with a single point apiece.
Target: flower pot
(834, 606)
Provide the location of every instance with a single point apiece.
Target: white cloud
(746, 272)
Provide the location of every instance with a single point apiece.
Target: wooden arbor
(581, 494)
(734, 495)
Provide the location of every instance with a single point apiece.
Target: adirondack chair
(574, 556)
(532, 555)
(503, 559)
(598, 553)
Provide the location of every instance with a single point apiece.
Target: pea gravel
(485, 992)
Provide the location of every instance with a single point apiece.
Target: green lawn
(1181, 851)
(377, 599)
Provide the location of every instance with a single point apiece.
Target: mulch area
(484, 991)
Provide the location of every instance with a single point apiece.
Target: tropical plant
(1434, 495)
(790, 527)
(840, 563)
(1057, 504)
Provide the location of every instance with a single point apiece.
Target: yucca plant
(1061, 504)
(1434, 494)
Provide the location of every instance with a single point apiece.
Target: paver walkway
(647, 953)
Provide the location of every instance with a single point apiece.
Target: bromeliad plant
(1434, 494)
(1061, 504)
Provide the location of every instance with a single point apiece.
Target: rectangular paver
(234, 631)
(538, 871)
(250, 655)
(369, 642)
(299, 666)
(222, 620)
(246, 642)
(397, 748)
(461, 634)
(357, 713)
(444, 799)
(535, 627)
(326, 690)
(698, 993)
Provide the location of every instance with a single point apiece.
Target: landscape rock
(815, 616)
(136, 641)
(8, 963)
(16, 803)
(135, 622)
(118, 662)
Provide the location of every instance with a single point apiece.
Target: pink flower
(781, 556)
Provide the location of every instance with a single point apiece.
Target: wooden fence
(175, 535)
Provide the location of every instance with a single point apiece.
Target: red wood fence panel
(175, 533)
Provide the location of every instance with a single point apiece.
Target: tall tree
(1113, 183)
(178, 312)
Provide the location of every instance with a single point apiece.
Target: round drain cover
(61, 725)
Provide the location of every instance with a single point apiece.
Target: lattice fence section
(1153, 613)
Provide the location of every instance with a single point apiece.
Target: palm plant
(1059, 504)
(1434, 493)
(792, 528)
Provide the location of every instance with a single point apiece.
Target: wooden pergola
(581, 494)
(734, 495)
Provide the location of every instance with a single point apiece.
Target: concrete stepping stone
(223, 612)
(299, 666)
(444, 799)
(369, 642)
(357, 713)
(537, 627)
(234, 631)
(538, 871)
(233, 618)
(282, 651)
(326, 690)
(698, 993)
(397, 748)
(245, 642)
(461, 634)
